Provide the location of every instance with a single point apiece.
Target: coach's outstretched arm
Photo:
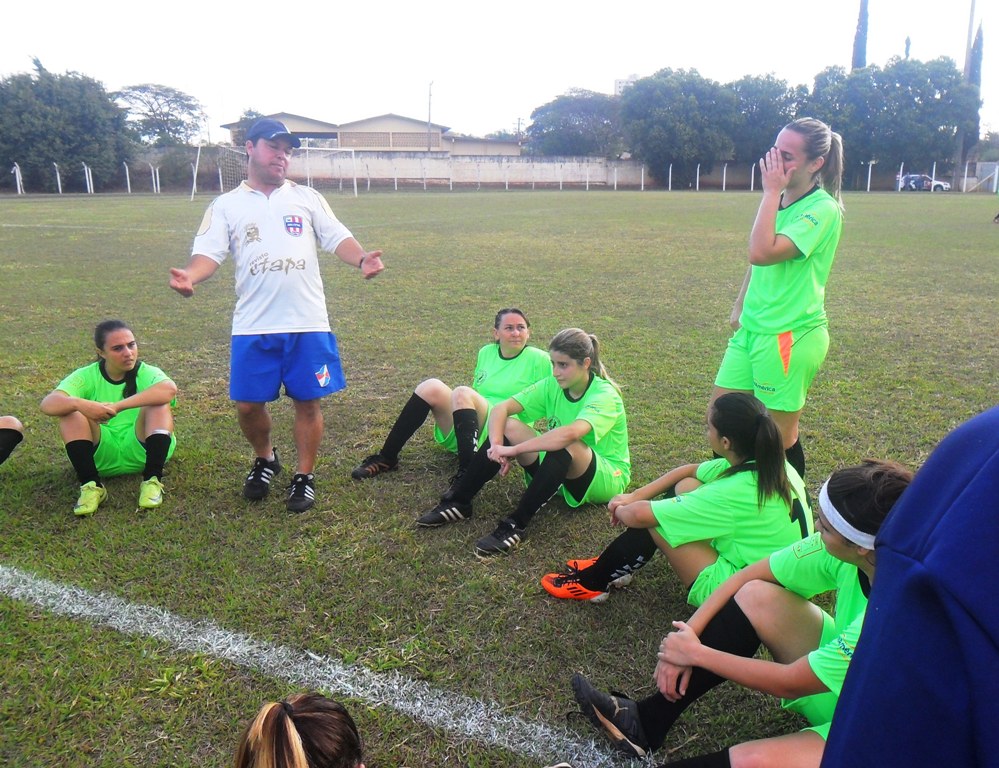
(198, 269)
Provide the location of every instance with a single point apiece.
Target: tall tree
(765, 104)
(973, 131)
(162, 116)
(679, 118)
(907, 112)
(577, 123)
(66, 119)
(860, 38)
(852, 105)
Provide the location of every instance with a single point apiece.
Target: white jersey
(273, 242)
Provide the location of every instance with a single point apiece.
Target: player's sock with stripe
(9, 438)
(628, 553)
(413, 414)
(796, 458)
(544, 484)
(466, 432)
(714, 760)
(81, 456)
(481, 469)
(729, 631)
(157, 447)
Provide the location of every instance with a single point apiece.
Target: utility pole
(430, 96)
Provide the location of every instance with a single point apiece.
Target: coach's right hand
(180, 281)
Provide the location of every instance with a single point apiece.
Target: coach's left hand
(372, 264)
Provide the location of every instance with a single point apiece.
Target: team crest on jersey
(323, 376)
(293, 225)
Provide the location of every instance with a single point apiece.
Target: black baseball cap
(268, 128)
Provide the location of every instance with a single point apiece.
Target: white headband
(865, 540)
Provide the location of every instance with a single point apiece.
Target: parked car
(923, 182)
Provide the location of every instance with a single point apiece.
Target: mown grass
(912, 303)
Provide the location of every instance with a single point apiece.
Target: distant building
(384, 133)
(621, 85)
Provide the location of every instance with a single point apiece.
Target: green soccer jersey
(807, 569)
(726, 512)
(496, 378)
(91, 383)
(791, 294)
(600, 406)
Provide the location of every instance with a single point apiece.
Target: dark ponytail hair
(865, 494)
(754, 434)
(101, 333)
(306, 730)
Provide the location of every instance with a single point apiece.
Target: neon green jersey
(726, 512)
(92, 383)
(600, 406)
(791, 294)
(496, 377)
(807, 569)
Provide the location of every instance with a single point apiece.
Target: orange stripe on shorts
(784, 342)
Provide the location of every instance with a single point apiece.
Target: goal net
(322, 168)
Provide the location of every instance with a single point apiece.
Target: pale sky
(490, 64)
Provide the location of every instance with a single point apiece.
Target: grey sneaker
(617, 716)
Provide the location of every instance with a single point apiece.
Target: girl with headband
(769, 603)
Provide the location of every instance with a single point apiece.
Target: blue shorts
(307, 364)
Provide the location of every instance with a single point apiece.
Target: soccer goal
(322, 168)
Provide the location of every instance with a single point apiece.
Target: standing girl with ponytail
(585, 445)
(717, 516)
(115, 418)
(781, 332)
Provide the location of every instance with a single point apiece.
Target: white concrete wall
(439, 168)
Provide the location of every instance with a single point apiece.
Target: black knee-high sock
(714, 760)
(728, 631)
(796, 458)
(629, 552)
(466, 432)
(481, 469)
(81, 456)
(157, 446)
(9, 438)
(544, 484)
(413, 414)
(532, 469)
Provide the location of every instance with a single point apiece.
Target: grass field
(915, 351)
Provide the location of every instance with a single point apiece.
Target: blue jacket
(923, 686)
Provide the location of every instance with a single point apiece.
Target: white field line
(461, 715)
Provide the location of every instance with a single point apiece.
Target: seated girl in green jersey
(115, 418)
(717, 517)
(584, 451)
(502, 368)
(769, 603)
